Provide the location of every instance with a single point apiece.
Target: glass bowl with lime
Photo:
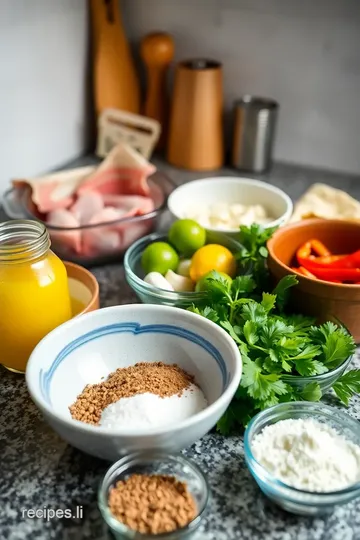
(171, 269)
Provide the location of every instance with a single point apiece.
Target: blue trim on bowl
(45, 377)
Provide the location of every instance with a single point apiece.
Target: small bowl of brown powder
(147, 495)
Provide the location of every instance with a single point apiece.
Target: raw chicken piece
(141, 205)
(64, 218)
(100, 241)
(87, 205)
(56, 190)
(103, 239)
(118, 181)
(123, 172)
(107, 214)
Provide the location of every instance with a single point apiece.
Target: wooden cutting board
(115, 79)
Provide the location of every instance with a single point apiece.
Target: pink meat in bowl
(112, 225)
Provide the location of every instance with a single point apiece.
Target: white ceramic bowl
(89, 347)
(230, 189)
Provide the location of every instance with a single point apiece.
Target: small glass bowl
(152, 295)
(294, 500)
(155, 463)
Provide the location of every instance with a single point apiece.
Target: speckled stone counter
(38, 469)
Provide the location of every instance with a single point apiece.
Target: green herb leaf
(274, 356)
(218, 288)
(268, 301)
(337, 348)
(308, 353)
(321, 333)
(255, 237)
(347, 385)
(250, 332)
(300, 323)
(308, 367)
(207, 312)
(311, 392)
(282, 290)
(242, 285)
(336, 343)
(261, 387)
(252, 311)
(231, 331)
(253, 253)
(263, 251)
(286, 366)
(291, 345)
(273, 331)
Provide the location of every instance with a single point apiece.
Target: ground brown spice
(155, 377)
(152, 504)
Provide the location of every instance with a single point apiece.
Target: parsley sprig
(273, 344)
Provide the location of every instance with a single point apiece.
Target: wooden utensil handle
(157, 51)
(115, 80)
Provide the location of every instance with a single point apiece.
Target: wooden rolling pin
(157, 51)
(115, 81)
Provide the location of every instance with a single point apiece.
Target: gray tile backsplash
(305, 54)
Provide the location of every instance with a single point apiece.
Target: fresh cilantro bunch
(274, 345)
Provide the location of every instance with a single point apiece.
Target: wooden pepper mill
(157, 51)
(196, 131)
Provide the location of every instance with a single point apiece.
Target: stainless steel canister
(254, 132)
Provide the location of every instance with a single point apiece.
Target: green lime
(187, 236)
(159, 257)
(201, 285)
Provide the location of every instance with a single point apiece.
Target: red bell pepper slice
(329, 261)
(349, 261)
(304, 272)
(319, 248)
(341, 274)
(304, 251)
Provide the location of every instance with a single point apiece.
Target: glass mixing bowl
(152, 295)
(294, 500)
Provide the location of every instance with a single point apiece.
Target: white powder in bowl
(308, 455)
(149, 410)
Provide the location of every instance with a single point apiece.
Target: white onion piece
(157, 280)
(180, 283)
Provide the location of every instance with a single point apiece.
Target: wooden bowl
(84, 289)
(321, 299)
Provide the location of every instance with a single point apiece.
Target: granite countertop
(38, 468)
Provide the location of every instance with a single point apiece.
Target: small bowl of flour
(305, 456)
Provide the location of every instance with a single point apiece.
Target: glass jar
(34, 293)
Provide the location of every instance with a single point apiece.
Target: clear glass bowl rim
(276, 413)
(139, 458)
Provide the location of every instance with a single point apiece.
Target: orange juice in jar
(34, 294)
